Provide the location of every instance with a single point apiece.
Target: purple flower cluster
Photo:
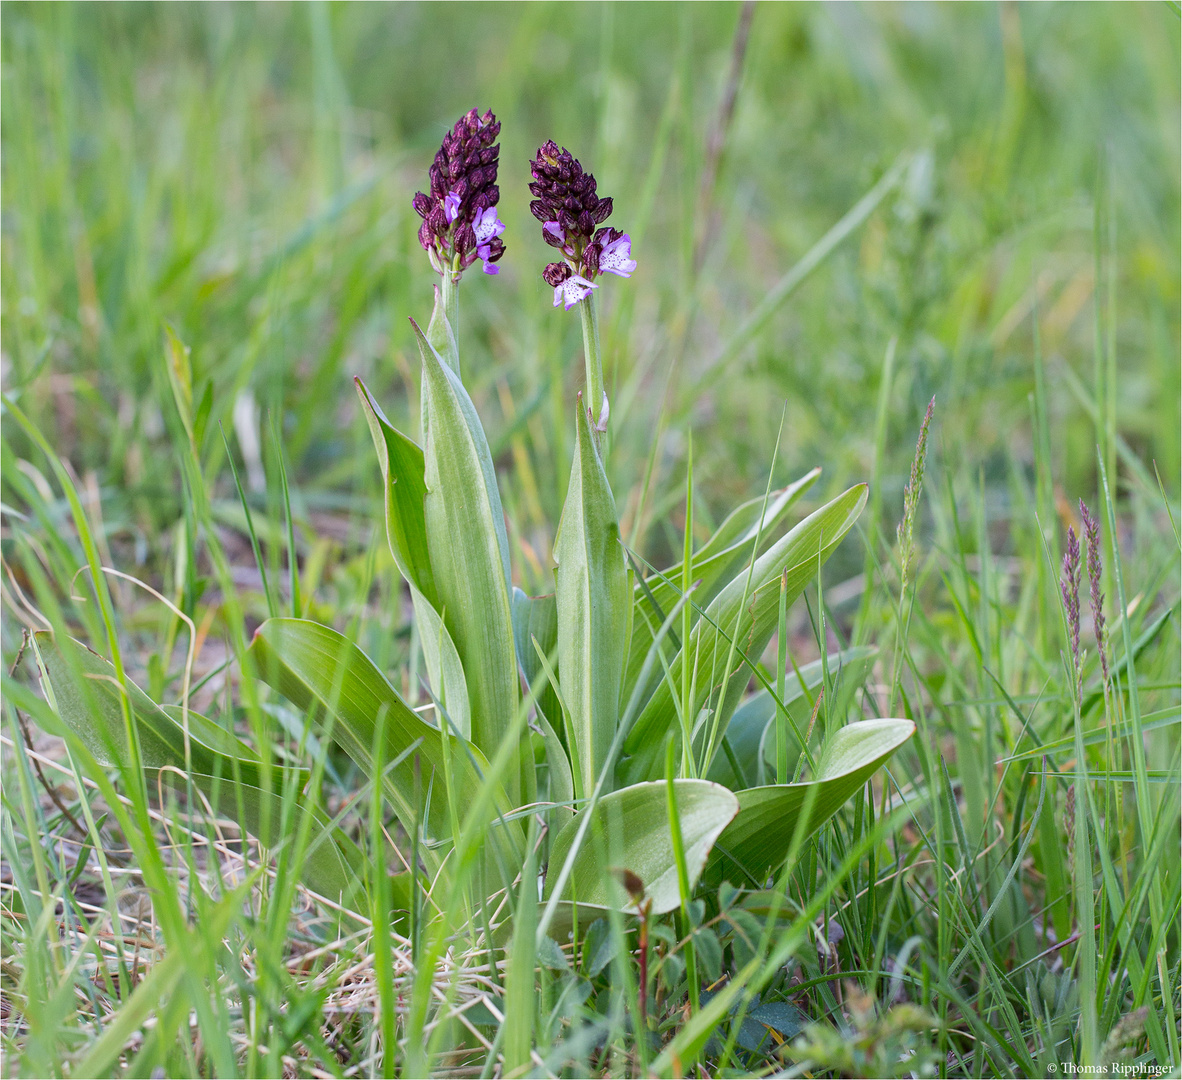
(566, 203)
(460, 223)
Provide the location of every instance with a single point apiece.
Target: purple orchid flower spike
(460, 223)
(567, 205)
(571, 212)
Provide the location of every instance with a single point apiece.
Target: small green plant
(591, 753)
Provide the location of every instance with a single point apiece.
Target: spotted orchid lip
(572, 290)
(616, 257)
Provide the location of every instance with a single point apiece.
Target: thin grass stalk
(781, 672)
(683, 886)
(687, 757)
(881, 424)
(712, 741)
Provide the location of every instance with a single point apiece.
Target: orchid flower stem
(596, 397)
(451, 305)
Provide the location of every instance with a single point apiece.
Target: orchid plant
(604, 729)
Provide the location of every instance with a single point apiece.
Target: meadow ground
(839, 212)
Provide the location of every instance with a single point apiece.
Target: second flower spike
(571, 213)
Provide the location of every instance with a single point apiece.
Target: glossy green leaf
(751, 731)
(746, 610)
(714, 563)
(592, 599)
(444, 670)
(469, 555)
(403, 474)
(405, 488)
(536, 617)
(561, 780)
(315, 667)
(754, 845)
(227, 771)
(630, 830)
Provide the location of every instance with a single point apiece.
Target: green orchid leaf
(562, 790)
(592, 599)
(317, 668)
(630, 831)
(756, 843)
(846, 681)
(537, 617)
(469, 554)
(715, 562)
(444, 670)
(403, 480)
(745, 611)
(751, 733)
(230, 774)
(440, 332)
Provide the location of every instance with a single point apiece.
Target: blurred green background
(244, 172)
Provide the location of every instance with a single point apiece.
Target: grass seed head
(1091, 528)
(1069, 590)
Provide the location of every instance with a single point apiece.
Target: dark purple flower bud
(591, 260)
(556, 273)
(539, 210)
(603, 211)
(426, 236)
(422, 204)
(464, 239)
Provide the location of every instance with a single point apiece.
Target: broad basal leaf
(469, 555)
(87, 695)
(750, 735)
(444, 670)
(714, 563)
(536, 617)
(405, 487)
(629, 830)
(315, 667)
(592, 599)
(754, 845)
(744, 611)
